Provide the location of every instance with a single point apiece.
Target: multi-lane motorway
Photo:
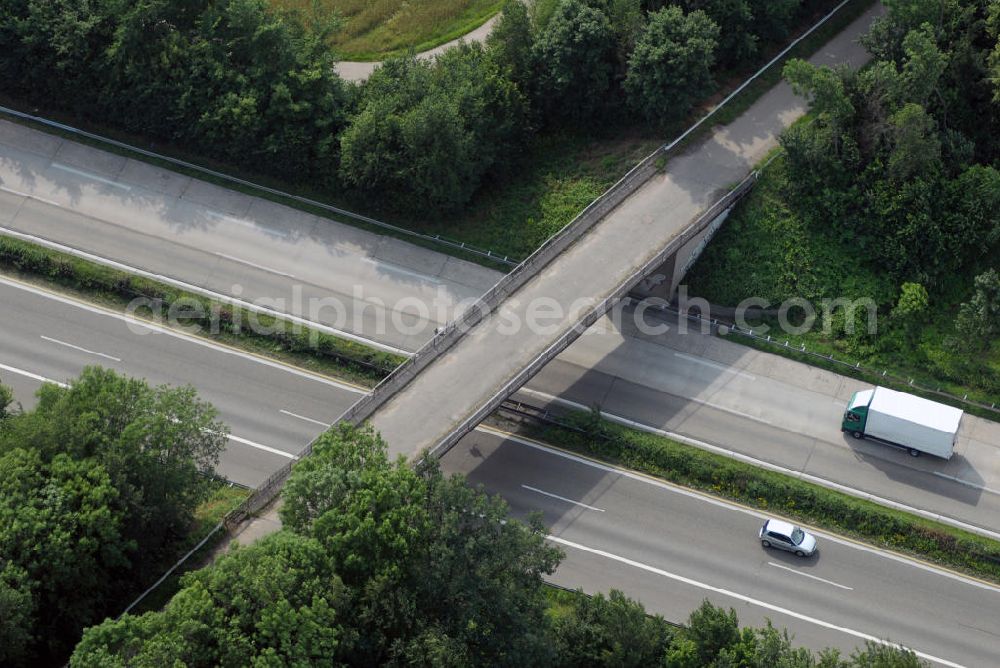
(668, 547)
(273, 411)
(672, 548)
(207, 237)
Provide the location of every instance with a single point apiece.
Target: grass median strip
(664, 458)
(581, 432)
(257, 333)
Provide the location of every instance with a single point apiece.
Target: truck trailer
(916, 424)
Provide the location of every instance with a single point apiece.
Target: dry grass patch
(374, 29)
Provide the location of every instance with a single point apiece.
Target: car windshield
(798, 535)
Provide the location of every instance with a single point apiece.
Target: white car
(789, 537)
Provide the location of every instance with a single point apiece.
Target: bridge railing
(589, 318)
(528, 269)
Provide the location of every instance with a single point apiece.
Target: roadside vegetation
(889, 190)
(717, 475)
(375, 30)
(102, 486)
(381, 563)
(198, 315)
(501, 143)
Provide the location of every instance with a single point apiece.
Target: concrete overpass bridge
(533, 314)
(652, 223)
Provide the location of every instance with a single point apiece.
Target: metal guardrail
(783, 345)
(434, 239)
(448, 336)
(588, 319)
(527, 269)
(739, 89)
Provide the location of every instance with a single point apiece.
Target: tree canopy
(98, 485)
(252, 85)
(671, 66)
(384, 563)
(892, 153)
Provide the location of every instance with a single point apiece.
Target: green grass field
(374, 29)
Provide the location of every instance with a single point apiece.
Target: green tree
(671, 66)
(609, 631)
(910, 309)
(491, 106)
(737, 43)
(916, 147)
(709, 631)
(575, 52)
(275, 603)
(973, 211)
(426, 557)
(425, 134)
(993, 24)
(878, 655)
(17, 613)
(62, 546)
(6, 401)
(511, 43)
(923, 67)
(826, 89)
(627, 21)
(773, 19)
(978, 321)
(158, 445)
(415, 151)
(764, 648)
(237, 78)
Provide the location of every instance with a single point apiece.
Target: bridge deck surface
(464, 378)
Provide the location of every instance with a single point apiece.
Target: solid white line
(29, 196)
(724, 409)
(33, 376)
(237, 439)
(388, 266)
(578, 406)
(746, 599)
(303, 417)
(720, 367)
(807, 575)
(254, 265)
(88, 175)
(937, 517)
(265, 448)
(82, 350)
(631, 475)
(246, 223)
(967, 483)
(562, 498)
(41, 241)
(184, 337)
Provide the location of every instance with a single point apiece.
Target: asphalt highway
(273, 411)
(80, 199)
(770, 409)
(670, 549)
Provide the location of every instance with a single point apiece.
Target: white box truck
(919, 425)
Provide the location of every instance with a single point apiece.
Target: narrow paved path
(359, 71)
